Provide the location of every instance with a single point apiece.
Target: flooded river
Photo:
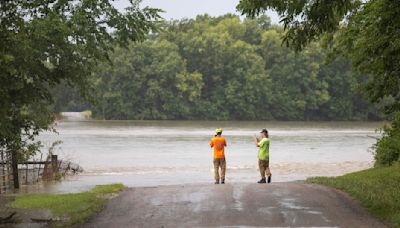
(150, 153)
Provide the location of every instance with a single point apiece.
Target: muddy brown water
(151, 153)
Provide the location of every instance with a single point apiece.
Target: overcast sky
(178, 9)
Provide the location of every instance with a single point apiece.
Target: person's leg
(216, 171)
(223, 169)
(261, 167)
(268, 171)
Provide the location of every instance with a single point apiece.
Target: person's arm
(211, 143)
(225, 143)
(261, 142)
(256, 140)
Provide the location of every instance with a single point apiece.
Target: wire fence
(5, 172)
(30, 172)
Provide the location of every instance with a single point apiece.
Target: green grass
(377, 189)
(77, 207)
(107, 189)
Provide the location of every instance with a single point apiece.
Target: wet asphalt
(293, 204)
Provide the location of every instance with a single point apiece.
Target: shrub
(387, 148)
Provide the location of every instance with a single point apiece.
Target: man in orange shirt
(219, 144)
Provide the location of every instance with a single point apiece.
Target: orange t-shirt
(218, 143)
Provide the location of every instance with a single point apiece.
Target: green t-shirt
(263, 152)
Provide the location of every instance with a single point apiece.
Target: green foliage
(223, 68)
(365, 32)
(387, 148)
(371, 41)
(304, 21)
(45, 43)
(67, 98)
(146, 81)
(377, 189)
(75, 207)
(108, 188)
(368, 36)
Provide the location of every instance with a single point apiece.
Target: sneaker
(262, 181)
(269, 179)
(222, 181)
(216, 182)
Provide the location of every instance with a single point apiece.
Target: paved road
(234, 205)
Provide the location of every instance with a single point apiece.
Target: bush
(387, 148)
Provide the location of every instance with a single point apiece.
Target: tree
(304, 21)
(44, 43)
(147, 81)
(225, 68)
(365, 32)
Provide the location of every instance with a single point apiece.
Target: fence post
(14, 164)
(54, 164)
(26, 173)
(40, 164)
(3, 181)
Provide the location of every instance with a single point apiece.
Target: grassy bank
(75, 207)
(377, 189)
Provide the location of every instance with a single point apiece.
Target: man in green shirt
(263, 156)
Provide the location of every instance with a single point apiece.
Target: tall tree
(44, 43)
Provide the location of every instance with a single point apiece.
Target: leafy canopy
(366, 32)
(224, 68)
(44, 43)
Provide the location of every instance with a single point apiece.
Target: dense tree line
(226, 68)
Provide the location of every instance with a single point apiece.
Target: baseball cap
(264, 130)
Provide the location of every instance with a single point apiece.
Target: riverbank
(377, 189)
(56, 210)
